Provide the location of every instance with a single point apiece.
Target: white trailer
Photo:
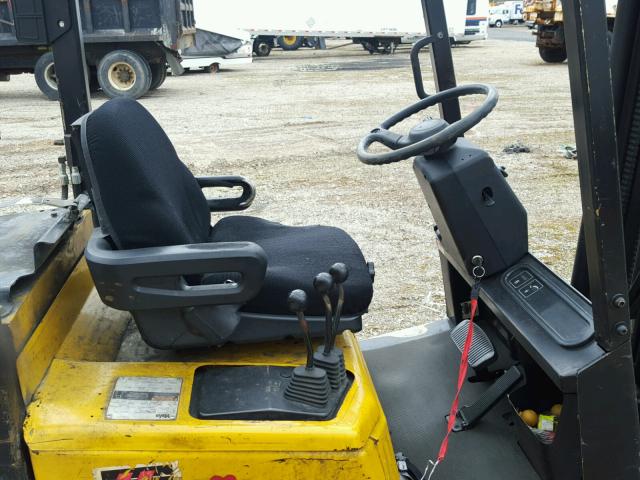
(290, 24)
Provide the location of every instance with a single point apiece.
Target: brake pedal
(482, 350)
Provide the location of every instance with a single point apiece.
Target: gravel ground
(291, 123)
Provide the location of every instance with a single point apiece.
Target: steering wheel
(429, 135)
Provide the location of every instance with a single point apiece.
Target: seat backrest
(143, 194)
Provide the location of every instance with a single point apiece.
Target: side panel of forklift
(111, 426)
(127, 46)
(22, 310)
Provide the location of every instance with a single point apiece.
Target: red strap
(462, 375)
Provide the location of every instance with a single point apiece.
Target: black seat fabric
(294, 256)
(144, 194)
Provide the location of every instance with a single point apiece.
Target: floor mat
(415, 380)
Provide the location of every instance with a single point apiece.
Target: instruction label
(145, 398)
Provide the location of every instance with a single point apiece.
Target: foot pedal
(481, 351)
(470, 414)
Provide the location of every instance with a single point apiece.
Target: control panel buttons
(530, 288)
(520, 278)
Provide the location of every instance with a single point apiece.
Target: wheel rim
(122, 76)
(289, 40)
(50, 76)
(263, 48)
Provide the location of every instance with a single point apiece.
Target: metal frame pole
(609, 385)
(591, 92)
(441, 60)
(71, 73)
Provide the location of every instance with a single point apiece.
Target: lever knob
(323, 283)
(339, 272)
(297, 301)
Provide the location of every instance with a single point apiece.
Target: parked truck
(377, 25)
(128, 45)
(505, 13)
(548, 21)
(475, 22)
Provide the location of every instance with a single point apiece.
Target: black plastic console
(474, 208)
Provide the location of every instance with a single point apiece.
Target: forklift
(138, 341)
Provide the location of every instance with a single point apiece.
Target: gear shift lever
(309, 384)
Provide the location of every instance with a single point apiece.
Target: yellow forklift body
(68, 368)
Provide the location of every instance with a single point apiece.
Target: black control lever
(297, 303)
(309, 384)
(323, 283)
(328, 357)
(339, 272)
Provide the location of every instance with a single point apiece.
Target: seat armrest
(229, 204)
(151, 278)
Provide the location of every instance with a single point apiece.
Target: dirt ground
(291, 123)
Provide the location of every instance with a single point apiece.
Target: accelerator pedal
(482, 350)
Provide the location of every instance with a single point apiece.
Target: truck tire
(291, 42)
(498, 24)
(45, 74)
(262, 47)
(158, 75)
(123, 73)
(553, 55)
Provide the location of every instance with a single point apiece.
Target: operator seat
(189, 284)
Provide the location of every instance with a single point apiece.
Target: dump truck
(547, 19)
(128, 45)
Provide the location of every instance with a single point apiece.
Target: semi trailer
(376, 25)
(128, 45)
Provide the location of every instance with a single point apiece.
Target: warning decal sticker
(145, 398)
(156, 471)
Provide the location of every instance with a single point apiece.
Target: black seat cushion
(144, 195)
(294, 256)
